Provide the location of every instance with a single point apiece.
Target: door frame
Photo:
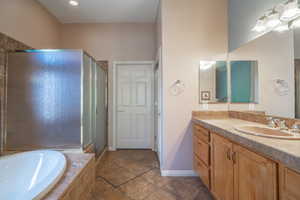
(116, 64)
(159, 131)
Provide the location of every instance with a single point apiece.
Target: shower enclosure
(55, 99)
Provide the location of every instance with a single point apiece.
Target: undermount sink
(268, 132)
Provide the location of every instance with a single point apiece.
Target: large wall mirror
(217, 86)
(276, 48)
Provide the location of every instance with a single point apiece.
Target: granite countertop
(76, 162)
(286, 152)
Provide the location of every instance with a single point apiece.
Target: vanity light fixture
(282, 17)
(290, 10)
(205, 65)
(74, 3)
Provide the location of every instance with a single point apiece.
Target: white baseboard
(111, 149)
(188, 173)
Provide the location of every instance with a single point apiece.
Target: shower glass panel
(93, 87)
(101, 117)
(87, 62)
(55, 99)
(43, 100)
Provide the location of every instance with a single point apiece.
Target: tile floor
(135, 175)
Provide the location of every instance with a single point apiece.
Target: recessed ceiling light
(73, 3)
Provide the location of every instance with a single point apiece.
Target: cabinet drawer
(203, 171)
(202, 133)
(202, 150)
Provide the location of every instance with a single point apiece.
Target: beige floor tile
(154, 177)
(162, 195)
(138, 189)
(111, 195)
(102, 186)
(117, 176)
(135, 175)
(180, 188)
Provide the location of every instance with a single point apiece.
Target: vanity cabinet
(201, 145)
(240, 174)
(255, 177)
(233, 172)
(289, 182)
(222, 168)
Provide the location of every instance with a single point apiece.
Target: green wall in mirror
(244, 81)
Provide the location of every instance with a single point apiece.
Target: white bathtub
(30, 175)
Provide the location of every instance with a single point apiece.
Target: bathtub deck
(77, 172)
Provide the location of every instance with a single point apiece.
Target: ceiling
(103, 11)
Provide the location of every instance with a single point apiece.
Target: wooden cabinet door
(289, 184)
(255, 177)
(222, 168)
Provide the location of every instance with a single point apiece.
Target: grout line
(136, 177)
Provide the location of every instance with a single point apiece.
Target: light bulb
(290, 10)
(73, 3)
(282, 28)
(273, 20)
(205, 65)
(260, 25)
(296, 24)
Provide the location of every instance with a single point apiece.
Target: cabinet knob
(229, 154)
(234, 157)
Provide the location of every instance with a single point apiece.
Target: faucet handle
(271, 122)
(296, 127)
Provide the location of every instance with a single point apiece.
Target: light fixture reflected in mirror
(205, 65)
(74, 3)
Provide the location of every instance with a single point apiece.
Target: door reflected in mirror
(213, 82)
(244, 81)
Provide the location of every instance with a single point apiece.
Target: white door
(134, 125)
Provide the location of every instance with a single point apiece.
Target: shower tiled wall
(6, 44)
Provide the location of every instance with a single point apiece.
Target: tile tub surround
(78, 180)
(6, 44)
(286, 152)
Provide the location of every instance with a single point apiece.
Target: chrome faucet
(277, 123)
(271, 122)
(281, 124)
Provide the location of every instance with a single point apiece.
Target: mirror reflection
(213, 82)
(244, 81)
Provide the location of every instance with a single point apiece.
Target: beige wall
(112, 42)
(275, 55)
(28, 22)
(192, 30)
